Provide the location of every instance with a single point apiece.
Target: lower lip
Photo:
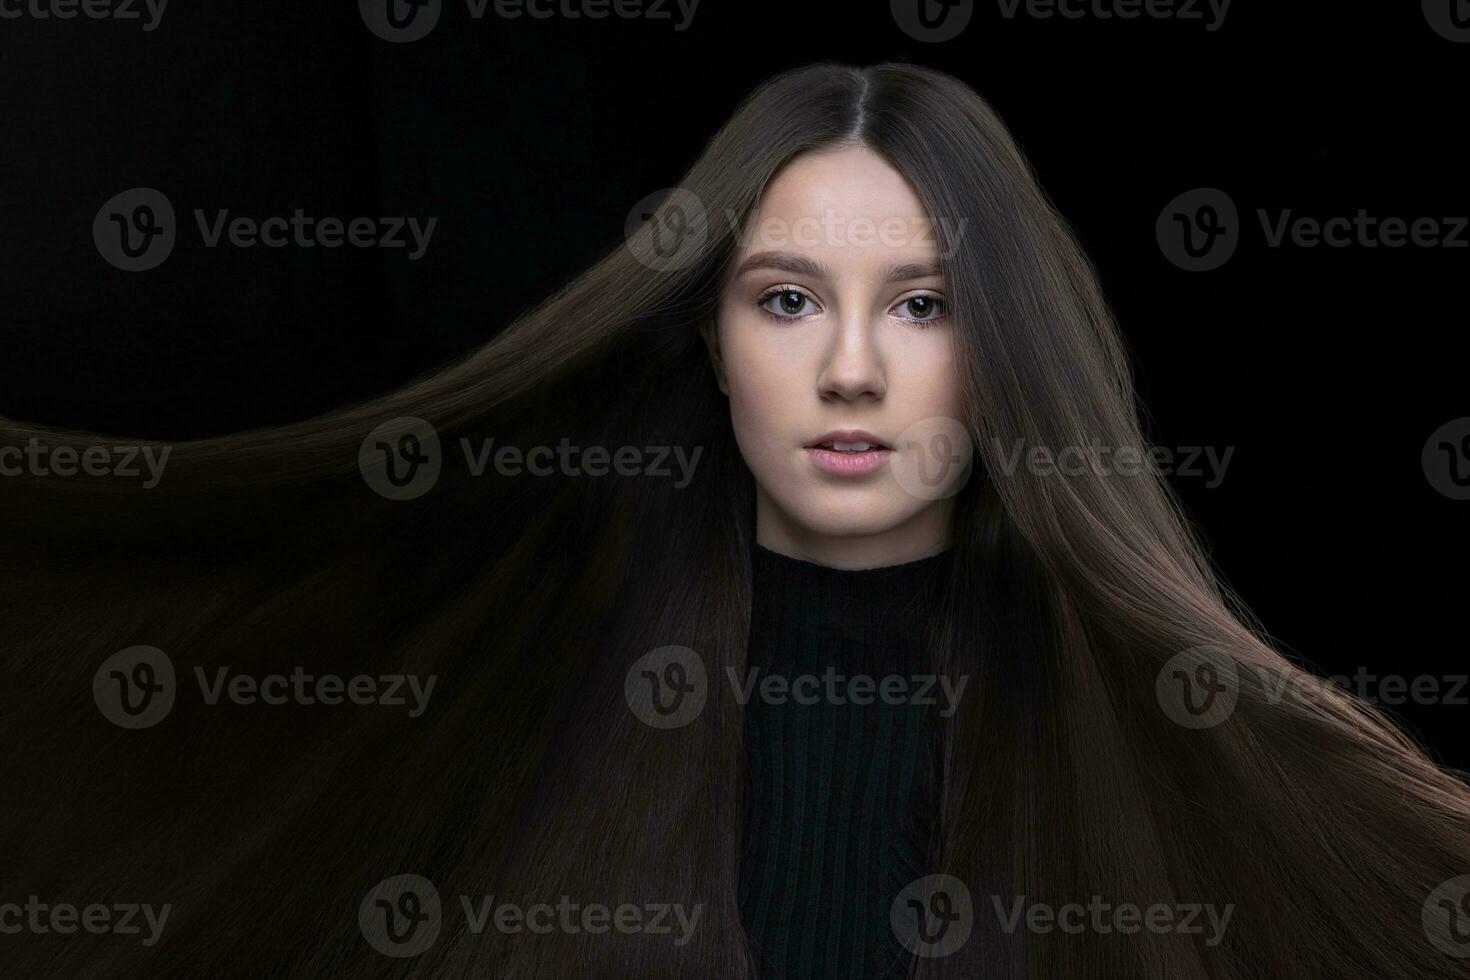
(849, 464)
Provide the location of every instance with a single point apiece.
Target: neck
(923, 535)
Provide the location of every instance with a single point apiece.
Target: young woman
(844, 322)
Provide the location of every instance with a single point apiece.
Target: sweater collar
(835, 615)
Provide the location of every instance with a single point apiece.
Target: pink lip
(848, 463)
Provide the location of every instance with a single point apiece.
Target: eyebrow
(800, 265)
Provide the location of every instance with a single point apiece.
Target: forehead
(850, 207)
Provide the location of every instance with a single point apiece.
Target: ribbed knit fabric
(841, 796)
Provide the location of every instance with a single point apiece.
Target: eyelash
(775, 291)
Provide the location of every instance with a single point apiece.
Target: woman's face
(833, 335)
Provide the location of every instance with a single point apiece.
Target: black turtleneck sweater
(841, 796)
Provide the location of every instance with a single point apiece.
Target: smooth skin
(834, 316)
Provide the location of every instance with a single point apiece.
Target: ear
(710, 331)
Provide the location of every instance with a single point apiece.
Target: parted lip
(848, 435)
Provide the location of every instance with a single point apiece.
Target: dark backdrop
(1326, 368)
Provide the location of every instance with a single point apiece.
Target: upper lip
(849, 435)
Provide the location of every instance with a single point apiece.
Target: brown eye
(921, 308)
(788, 303)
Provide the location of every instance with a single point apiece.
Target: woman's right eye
(787, 303)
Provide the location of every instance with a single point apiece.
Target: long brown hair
(528, 598)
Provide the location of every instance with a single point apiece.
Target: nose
(853, 365)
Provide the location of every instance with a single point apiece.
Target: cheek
(760, 380)
(930, 379)
(758, 423)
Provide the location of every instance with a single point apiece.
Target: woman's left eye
(922, 308)
(788, 303)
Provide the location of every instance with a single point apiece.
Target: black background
(1326, 369)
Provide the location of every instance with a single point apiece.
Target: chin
(840, 519)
